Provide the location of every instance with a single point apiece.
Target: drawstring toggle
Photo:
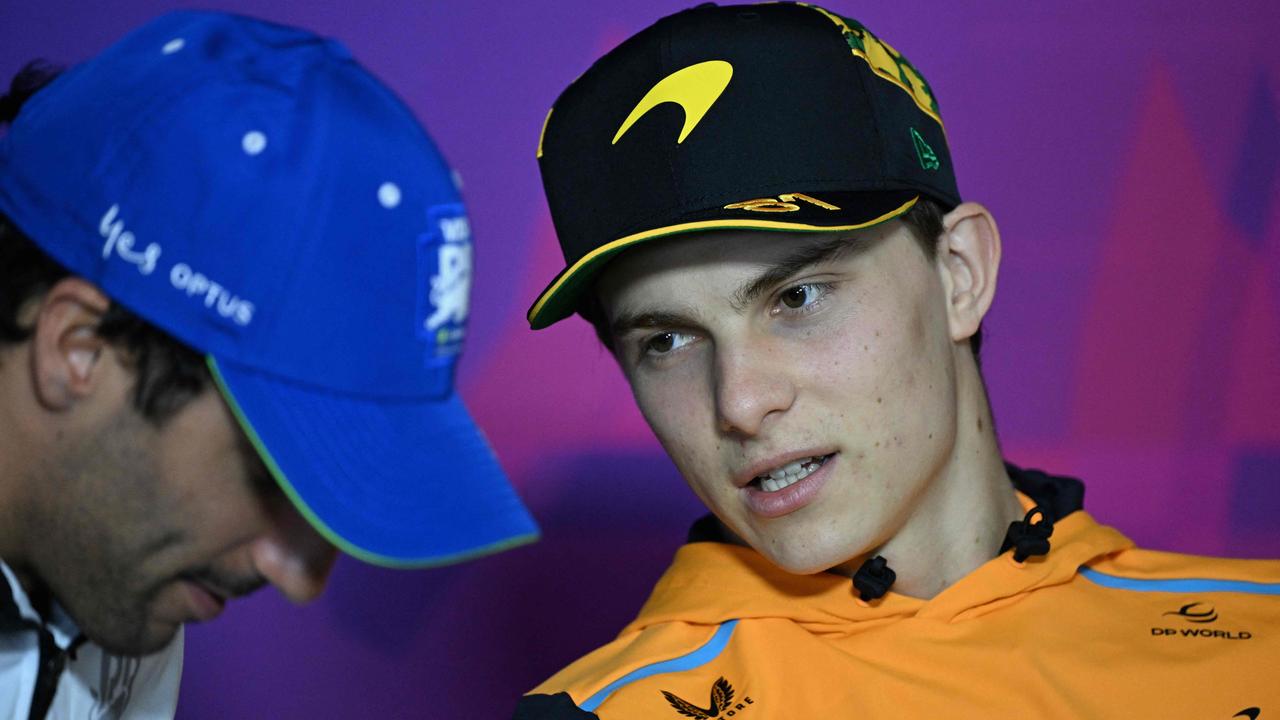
(874, 578)
(1028, 538)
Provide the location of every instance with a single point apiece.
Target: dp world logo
(1196, 612)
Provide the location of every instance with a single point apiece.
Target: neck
(18, 454)
(960, 519)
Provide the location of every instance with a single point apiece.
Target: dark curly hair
(168, 373)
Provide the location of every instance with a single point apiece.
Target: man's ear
(968, 260)
(66, 350)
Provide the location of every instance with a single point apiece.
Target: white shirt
(95, 685)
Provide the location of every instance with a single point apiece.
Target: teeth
(788, 474)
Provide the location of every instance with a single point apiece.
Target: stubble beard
(105, 527)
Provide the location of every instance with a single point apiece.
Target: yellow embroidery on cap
(786, 202)
(695, 89)
(885, 62)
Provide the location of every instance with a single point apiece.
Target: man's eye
(800, 295)
(664, 342)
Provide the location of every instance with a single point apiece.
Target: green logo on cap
(928, 158)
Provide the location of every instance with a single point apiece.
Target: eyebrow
(775, 273)
(801, 259)
(627, 322)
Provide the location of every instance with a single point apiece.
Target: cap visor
(398, 483)
(562, 296)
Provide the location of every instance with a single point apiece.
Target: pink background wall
(1131, 153)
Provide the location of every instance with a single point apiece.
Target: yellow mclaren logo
(695, 89)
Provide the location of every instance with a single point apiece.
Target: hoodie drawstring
(874, 578)
(1028, 539)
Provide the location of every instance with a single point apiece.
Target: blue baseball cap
(253, 191)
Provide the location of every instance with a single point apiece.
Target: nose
(751, 388)
(292, 556)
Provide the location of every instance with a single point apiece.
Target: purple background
(1130, 151)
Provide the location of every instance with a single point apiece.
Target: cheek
(883, 369)
(206, 478)
(850, 355)
(679, 409)
(918, 380)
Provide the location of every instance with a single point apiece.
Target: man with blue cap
(236, 281)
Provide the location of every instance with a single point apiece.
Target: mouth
(784, 476)
(206, 602)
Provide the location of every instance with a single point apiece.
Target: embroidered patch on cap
(444, 280)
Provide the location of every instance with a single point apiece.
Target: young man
(760, 217)
(236, 276)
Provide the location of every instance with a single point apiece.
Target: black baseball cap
(775, 116)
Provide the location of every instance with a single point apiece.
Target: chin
(805, 560)
(151, 637)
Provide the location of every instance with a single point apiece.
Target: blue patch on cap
(444, 280)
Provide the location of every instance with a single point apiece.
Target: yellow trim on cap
(734, 224)
(543, 134)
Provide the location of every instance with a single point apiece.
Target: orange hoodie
(1093, 629)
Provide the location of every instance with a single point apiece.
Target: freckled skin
(872, 360)
(865, 355)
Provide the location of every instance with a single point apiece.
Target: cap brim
(563, 296)
(397, 483)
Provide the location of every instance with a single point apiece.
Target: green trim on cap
(320, 526)
(559, 301)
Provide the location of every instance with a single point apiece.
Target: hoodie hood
(713, 582)
(728, 634)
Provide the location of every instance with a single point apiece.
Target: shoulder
(1139, 570)
(628, 672)
(1194, 595)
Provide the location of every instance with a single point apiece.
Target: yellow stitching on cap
(791, 197)
(763, 205)
(786, 202)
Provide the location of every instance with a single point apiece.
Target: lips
(206, 603)
(788, 487)
(777, 472)
(789, 474)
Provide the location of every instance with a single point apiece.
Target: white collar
(60, 625)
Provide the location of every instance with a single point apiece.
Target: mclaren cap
(776, 116)
(253, 191)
